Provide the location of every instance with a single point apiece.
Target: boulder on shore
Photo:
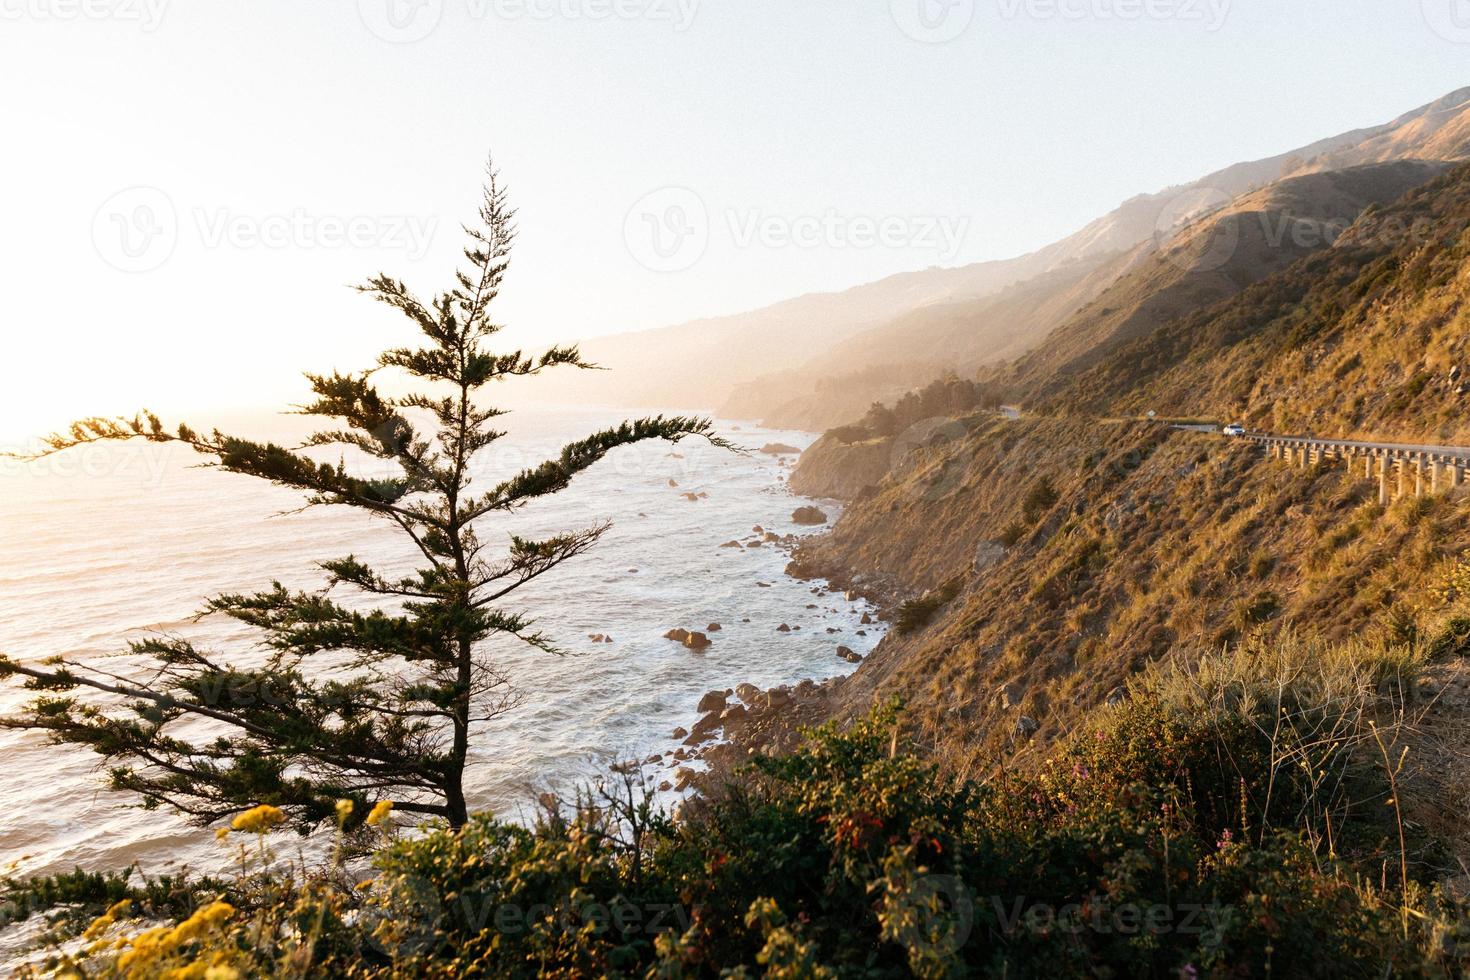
(713, 701)
(846, 653)
(808, 516)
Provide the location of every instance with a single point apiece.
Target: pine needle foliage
(347, 704)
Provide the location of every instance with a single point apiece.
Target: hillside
(1211, 259)
(1036, 565)
(883, 363)
(1366, 338)
(801, 361)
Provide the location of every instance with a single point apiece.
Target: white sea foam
(90, 561)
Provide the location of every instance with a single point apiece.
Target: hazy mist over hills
(817, 360)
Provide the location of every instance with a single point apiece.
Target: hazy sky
(189, 186)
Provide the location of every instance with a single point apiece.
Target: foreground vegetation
(1235, 819)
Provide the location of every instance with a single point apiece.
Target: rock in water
(779, 449)
(808, 516)
(849, 655)
(677, 635)
(696, 641)
(713, 701)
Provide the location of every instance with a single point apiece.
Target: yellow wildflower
(380, 812)
(259, 820)
(222, 973)
(222, 833)
(344, 810)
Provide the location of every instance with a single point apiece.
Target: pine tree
(366, 706)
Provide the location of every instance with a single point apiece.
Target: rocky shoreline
(737, 723)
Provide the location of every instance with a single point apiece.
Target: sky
(189, 189)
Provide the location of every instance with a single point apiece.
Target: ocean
(110, 543)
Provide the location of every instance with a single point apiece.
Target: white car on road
(1233, 429)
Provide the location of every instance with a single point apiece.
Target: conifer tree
(345, 704)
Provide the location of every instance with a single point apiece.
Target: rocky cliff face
(841, 470)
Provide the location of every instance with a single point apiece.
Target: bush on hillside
(1185, 833)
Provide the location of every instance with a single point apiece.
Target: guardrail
(1431, 468)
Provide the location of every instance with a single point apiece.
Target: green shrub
(1039, 499)
(1012, 534)
(1452, 640)
(1179, 835)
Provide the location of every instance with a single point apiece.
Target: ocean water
(112, 543)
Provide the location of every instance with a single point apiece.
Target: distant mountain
(1208, 260)
(819, 359)
(1369, 338)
